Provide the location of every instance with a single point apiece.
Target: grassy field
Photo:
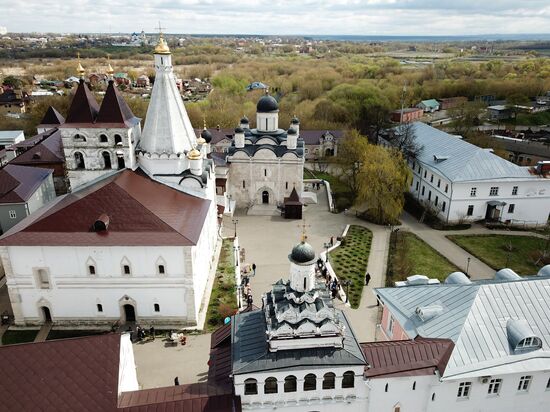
(19, 336)
(349, 261)
(519, 253)
(223, 300)
(410, 255)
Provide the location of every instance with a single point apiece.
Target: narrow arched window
(290, 383)
(305, 283)
(106, 160)
(414, 385)
(348, 380)
(270, 385)
(79, 161)
(103, 138)
(310, 382)
(329, 380)
(99, 307)
(433, 397)
(118, 140)
(250, 387)
(386, 388)
(157, 307)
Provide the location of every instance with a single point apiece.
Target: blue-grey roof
(475, 317)
(250, 348)
(465, 161)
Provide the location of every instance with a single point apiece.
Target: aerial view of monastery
(304, 207)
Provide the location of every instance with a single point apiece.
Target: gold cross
(304, 226)
(160, 29)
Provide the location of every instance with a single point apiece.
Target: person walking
(152, 332)
(254, 269)
(367, 279)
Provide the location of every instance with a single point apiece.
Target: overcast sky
(358, 17)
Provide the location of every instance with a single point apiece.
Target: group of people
(140, 333)
(247, 290)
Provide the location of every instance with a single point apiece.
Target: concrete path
(43, 332)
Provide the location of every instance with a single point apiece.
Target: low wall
(323, 256)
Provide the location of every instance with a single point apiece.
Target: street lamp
(229, 203)
(468, 267)
(327, 246)
(235, 221)
(346, 283)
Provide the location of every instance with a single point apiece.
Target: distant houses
(429, 106)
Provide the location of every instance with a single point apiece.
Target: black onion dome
(239, 130)
(244, 120)
(206, 135)
(291, 131)
(295, 120)
(302, 253)
(267, 104)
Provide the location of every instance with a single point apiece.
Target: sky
(282, 17)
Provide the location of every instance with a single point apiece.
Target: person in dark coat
(254, 268)
(367, 279)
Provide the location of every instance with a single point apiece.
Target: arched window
(270, 385)
(310, 382)
(329, 380)
(386, 388)
(290, 383)
(103, 138)
(414, 385)
(106, 160)
(118, 140)
(120, 161)
(348, 381)
(433, 397)
(157, 307)
(79, 138)
(79, 161)
(250, 387)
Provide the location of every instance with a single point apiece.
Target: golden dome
(194, 154)
(110, 70)
(162, 47)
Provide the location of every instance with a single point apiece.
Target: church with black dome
(267, 162)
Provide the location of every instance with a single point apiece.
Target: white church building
(266, 162)
(137, 238)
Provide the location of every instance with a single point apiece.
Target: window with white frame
(390, 325)
(464, 389)
(524, 382)
(43, 279)
(493, 191)
(473, 192)
(13, 214)
(511, 208)
(514, 191)
(494, 386)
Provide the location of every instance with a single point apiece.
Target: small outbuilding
(293, 206)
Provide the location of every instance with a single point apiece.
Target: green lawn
(410, 255)
(349, 261)
(72, 333)
(223, 300)
(494, 250)
(18, 336)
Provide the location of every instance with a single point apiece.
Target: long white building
(463, 182)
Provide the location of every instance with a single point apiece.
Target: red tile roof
(196, 397)
(407, 357)
(63, 375)
(52, 116)
(84, 107)
(18, 183)
(142, 212)
(220, 336)
(49, 150)
(114, 109)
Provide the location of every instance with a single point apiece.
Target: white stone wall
(532, 202)
(322, 400)
(127, 375)
(264, 171)
(73, 293)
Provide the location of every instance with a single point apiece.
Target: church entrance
(106, 159)
(121, 163)
(129, 313)
(46, 314)
(265, 197)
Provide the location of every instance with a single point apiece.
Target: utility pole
(235, 221)
(402, 102)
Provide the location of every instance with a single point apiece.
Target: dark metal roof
(407, 357)
(206, 135)
(267, 104)
(250, 348)
(18, 183)
(84, 107)
(219, 365)
(48, 150)
(52, 116)
(78, 374)
(195, 397)
(312, 137)
(114, 109)
(141, 212)
(293, 199)
(302, 253)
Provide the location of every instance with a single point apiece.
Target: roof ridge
(84, 107)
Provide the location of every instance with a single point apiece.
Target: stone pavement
(158, 363)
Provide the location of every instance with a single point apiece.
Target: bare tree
(403, 138)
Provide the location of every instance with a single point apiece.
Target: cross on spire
(304, 226)
(160, 28)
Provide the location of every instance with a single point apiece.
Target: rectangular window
(432, 179)
(438, 182)
(425, 174)
(390, 326)
(548, 384)
(161, 269)
(470, 210)
(91, 269)
(99, 307)
(514, 191)
(43, 279)
(126, 269)
(436, 200)
(156, 307)
(511, 208)
(417, 186)
(494, 386)
(286, 185)
(464, 389)
(443, 206)
(524, 383)
(473, 192)
(430, 195)
(423, 190)
(446, 188)
(493, 191)
(244, 184)
(265, 172)
(13, 215)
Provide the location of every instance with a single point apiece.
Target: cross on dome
(304, 226)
